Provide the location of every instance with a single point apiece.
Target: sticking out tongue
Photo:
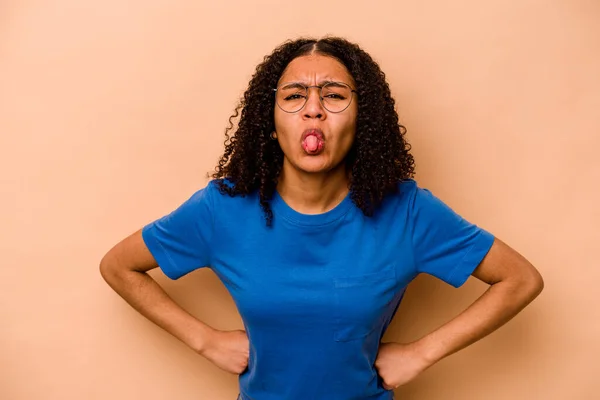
(312, 144)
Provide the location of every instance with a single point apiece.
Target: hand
(399, 363)
(228, 350)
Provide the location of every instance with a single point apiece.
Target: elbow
(525, 285)
(537, 283)
(108, 269)
(113, 274)
(105, 269)
(532, 284)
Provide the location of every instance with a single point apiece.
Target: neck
(313, 193)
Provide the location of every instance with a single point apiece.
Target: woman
(315, 226)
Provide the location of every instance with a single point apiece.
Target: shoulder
(397, 203)
(408, 198)
(222, 194)
(407, 186)
(414, 195)
(405, 193)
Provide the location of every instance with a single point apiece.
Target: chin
(314, 164)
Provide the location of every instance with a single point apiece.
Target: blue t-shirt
(316, 292)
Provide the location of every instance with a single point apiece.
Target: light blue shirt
(316, 292)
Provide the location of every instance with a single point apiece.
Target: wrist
(200, 339)
(428, 351)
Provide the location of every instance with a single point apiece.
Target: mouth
(313, 141)
(313, 131)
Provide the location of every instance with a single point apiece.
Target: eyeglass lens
(335, 97)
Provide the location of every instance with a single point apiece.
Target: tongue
(311, 143)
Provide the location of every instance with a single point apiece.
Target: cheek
(347, 128)
(281, 120)
(348, 134)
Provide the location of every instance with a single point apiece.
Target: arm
(124, 268)
(514, 284)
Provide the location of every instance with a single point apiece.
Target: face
(314, 139)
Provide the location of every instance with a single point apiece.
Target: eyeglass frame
(320, 96)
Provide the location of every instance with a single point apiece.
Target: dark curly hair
(377, 161)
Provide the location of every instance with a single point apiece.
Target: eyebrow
(291, 85)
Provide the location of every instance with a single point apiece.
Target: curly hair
(377, 161)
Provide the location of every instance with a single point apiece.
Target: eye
(294, 97)
(335, 96)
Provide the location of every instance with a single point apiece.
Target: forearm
(146, 296)
(501, 302)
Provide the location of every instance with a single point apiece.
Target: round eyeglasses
(334, 96)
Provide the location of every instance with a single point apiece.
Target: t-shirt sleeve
(181, 240)
(445, 244)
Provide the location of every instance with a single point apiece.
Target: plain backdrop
(113, 112)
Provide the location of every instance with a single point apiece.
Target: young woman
(315, 226)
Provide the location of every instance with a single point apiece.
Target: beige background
(112, 112)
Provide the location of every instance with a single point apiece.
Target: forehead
(313, 68)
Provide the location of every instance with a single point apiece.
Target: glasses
(334, 96)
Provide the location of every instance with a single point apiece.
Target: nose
(313, 107)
